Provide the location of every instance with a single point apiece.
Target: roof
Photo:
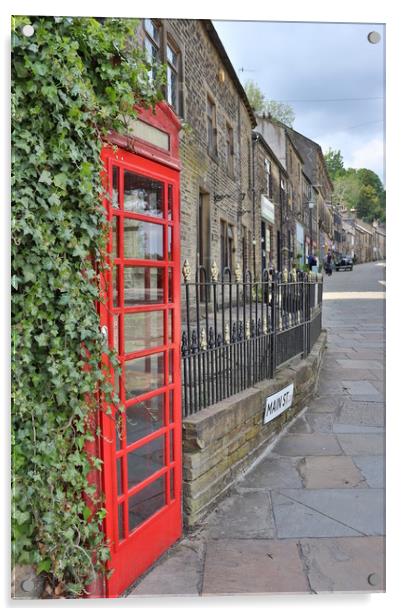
(302, 143)
(293, 144)
(365, 227)
(213, 35)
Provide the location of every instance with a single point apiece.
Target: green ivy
(73, 81)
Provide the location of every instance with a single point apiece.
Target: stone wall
(205, 75)
(222, 441)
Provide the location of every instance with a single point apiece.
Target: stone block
(253, 566)
(25, 584)
(355, 564)
(329, 472)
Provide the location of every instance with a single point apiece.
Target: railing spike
(214, 272)
(226, 335)
(238, 273)
(186, 271)
(247, 330)
(203, 340)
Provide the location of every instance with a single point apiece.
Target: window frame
(212, 141)
(167, 39)
(229, 147)
(148, 37)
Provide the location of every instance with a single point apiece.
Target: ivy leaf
(60, 180)
(44, 565)
(87, 512)
(45, 178)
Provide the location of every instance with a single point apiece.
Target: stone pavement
(309, 518)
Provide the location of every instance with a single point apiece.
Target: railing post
(274, 301)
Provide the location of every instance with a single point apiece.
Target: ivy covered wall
(73, 80)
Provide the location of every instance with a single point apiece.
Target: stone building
(316, 171)
(309, 219)
(363, 242)
(379, 241)
(287, 155)
(270, 181)
(218, 222)
(339, 233)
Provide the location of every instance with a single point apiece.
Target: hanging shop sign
(278, 403)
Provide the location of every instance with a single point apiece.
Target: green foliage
(73, 81)
(346, 189)
(334, 163)
(359, 189)
(279, 111)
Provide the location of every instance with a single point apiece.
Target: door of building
(141, 318)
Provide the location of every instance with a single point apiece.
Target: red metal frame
(140, 547)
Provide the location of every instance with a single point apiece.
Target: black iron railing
(237, 331)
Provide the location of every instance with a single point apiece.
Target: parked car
(345, 262)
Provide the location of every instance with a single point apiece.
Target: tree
(260, 104)
(346, 189)
(368, 203)
(359, 189)
(255, 96)
(334, 163)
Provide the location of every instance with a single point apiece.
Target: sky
(311, 66)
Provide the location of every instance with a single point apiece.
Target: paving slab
(325, 404)
(359, 511)
(377, 355)
(300, 426)
(345, 564)
(331, 387)
(360, 387)
(367, 397)
(372, 469)
(362, 413)
(245, 516)
(339, 428)
(339, 373)
(330, 472)
(179, 573)
(379, 375)
(273, 472)
(362, 444)
(362, 364)
(308, 445)
(253, 566)
(295, 519)
(321, 422)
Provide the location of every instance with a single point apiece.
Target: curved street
(309, 517)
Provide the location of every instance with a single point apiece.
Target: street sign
(278, 403)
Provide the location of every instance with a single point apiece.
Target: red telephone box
(141, 318)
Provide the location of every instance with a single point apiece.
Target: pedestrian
(312, 261)
(328, 263)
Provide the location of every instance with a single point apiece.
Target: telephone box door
(141, 318)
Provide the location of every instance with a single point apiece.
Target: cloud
(370, 156)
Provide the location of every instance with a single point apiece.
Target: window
(161, 48)
(152, 42)
(227, 245)
(211, 127)
(173, 74)
(267, 165)
(229, 149)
